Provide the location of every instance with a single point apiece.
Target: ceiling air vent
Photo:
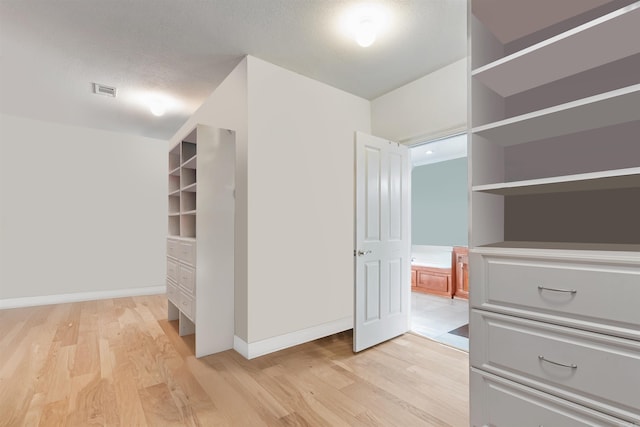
(104, 90)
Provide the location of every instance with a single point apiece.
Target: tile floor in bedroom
(433, 317)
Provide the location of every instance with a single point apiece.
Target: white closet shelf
(606, 180)
(175, 172)
(605, 109)
(174, 193)
(520, 71)
(191, 188)
(619, 251)
(192, 212)
(174, 213)
(191, 163)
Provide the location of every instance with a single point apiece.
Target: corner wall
(82, 213)
(431, 107)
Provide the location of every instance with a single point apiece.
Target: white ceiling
(51, 52)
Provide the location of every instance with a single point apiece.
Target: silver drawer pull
(572, 366)
(569, 291)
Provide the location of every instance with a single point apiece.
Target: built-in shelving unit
(554, 232)
(200, 243)
(611, 108)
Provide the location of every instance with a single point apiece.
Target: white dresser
(181, 276)
(554, 258)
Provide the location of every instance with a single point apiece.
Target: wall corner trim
(79, 296)
(280, 342)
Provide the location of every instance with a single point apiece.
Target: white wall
(301, 200)
(81, 210)
(430, 107)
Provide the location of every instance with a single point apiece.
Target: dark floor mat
(462, 331)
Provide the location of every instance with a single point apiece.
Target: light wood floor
(120, 362)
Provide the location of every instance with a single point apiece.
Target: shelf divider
(606, 109)
(605, 180)
(519, 71)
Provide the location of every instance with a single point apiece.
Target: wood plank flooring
(119, 362)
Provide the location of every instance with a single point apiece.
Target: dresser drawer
(187, 253)
(187, 279)
(173, 248)
(594, 370)
(187, 305)
(599, 297)
(172, 269)
(173, 293)
(499, 402)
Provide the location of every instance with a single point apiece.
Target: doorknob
(360, 253)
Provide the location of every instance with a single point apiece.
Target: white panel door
(382, 243)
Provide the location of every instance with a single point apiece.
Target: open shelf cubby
(192, 163)
(188, 224)
(518, 72)
(174, 204)
(174, 225)
(174, 159)
(188, 201)
(188, 177)
(189, 151)
(606, 156)
(174, 183)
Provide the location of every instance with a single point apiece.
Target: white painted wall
(81, 211)
(301, 201)
(430, 107)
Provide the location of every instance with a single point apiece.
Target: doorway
(439, 240)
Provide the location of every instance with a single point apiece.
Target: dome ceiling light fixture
(365, 33)
(365, 22)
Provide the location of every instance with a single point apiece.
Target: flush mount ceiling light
(365, 22)
(158, 108)
(429, 151)
(158, 103)
(365, 33)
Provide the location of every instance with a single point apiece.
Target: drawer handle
(572, 366)
(569, 291)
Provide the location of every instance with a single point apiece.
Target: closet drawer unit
(172, 269)
(501, 402)
(187, 279)
(599, 297)
(598, 371)
(173, 248)
(187, 253)
(187, 305)
(173, 293)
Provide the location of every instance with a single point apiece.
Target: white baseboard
(270, 345)
(79, 296)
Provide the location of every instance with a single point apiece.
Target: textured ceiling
(51, 51)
